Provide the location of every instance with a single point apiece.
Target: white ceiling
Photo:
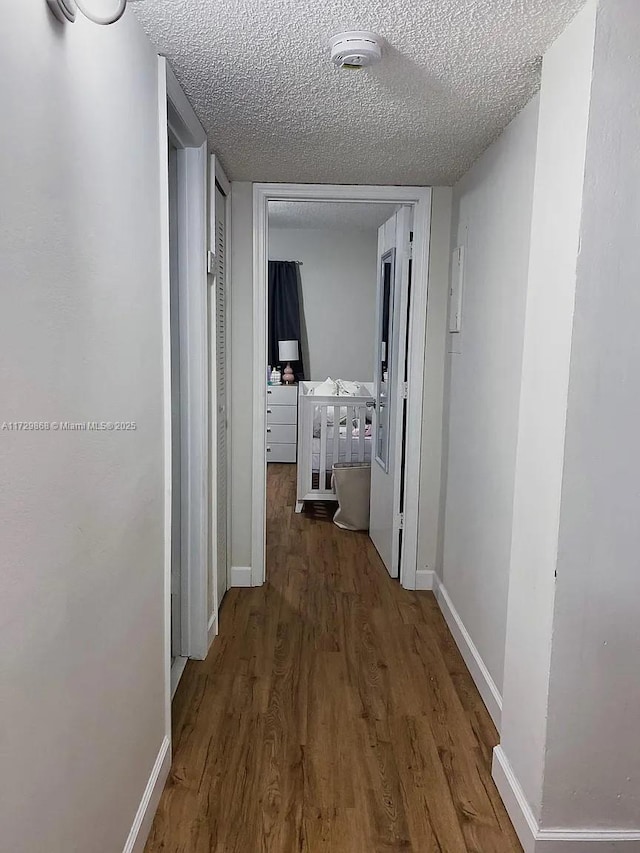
(329, 215)
(258, 74)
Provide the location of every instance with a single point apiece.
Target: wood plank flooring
(334, 713)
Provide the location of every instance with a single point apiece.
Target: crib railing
(338, 425)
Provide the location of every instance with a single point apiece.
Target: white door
(390, 377)
(219, 420)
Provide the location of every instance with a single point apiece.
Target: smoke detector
(65, 10)
(356, 49)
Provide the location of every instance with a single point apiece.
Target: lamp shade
(288, 350)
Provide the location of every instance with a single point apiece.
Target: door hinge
(404, 390)
(410, 251)
(211, 262)
(400, 521)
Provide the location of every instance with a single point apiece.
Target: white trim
(189, 130)
(166, 375)
(212, 632)
(213, 408)
(258, 465)
(221, 177)
(482, 677)
(420, 199)
(514, 800)
(149, 803)
(177, 114)
(227, 300)
(425, 579)
(554, 840)
(241, 576)
(177, 669)
(419, 352)
(196, 337)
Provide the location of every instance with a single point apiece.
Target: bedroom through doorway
(336, 345)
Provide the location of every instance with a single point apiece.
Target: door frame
(420, 199)
(218, 176)
(176, 114)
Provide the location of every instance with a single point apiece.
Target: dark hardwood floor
(334, 713)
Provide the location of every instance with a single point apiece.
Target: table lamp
(288, 351)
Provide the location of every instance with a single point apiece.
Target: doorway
(418, 203)
(322, 315)
(219, 438)
(179, 647)
(186, 394)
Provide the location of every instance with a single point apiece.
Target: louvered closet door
(219, 378)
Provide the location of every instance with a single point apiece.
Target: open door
(390, 382)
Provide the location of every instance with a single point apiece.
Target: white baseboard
(425, 579)
(515, 802)
(537, 840)
(212, 630)
(484, 682)
(150, 799)
(177, 668)
(241, 576)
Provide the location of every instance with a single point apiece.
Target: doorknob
(370, 404)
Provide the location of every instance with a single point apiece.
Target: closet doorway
(183, 166)
(274, 436)
(219, 442)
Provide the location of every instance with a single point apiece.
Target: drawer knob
(268, 450)
(268, 429)
(269, 411)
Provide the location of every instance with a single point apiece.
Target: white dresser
(282, 423)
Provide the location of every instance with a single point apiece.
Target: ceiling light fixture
(356, 50)
(65, 11)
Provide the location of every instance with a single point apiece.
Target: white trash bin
(352, 484)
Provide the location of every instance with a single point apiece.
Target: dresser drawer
(282, 414)
(281, 453)
(282, 395)
(282, 434)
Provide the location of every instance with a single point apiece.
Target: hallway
(334, 713)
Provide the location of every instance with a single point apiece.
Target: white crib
(330, 430)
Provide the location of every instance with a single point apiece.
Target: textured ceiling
(259, 76)
(329, 215)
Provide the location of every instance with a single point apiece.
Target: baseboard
(515, 802)
(212, 629)
(484, 682)
(150, 799)
(241, 576)
(177, 668)
(424, 579)
(554, 840)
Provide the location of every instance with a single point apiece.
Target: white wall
(492, 220)
(339, 280)
(592, 771)
(564, 115)
(81, 513)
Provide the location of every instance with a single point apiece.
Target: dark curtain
(285, 312)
